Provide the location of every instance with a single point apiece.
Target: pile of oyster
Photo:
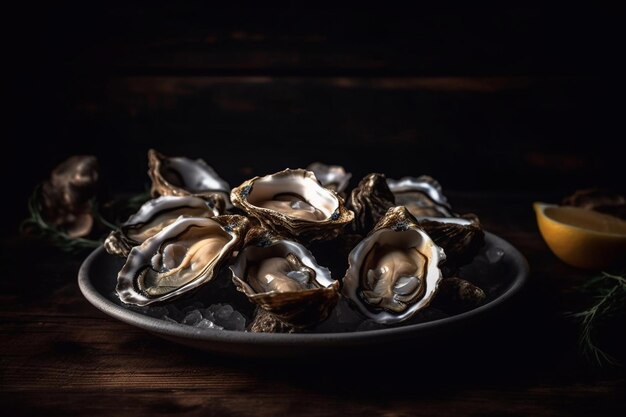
(278, 237)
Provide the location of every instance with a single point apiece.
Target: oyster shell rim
(336, 220)
(426, 185)
(271, 301)
(433, 277)
(159, 183)
(126, 289)
(118, 242)
(327, 170)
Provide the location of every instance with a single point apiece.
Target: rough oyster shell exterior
(461, 238)
(333, 177)
(422, 196)
(66, 196)
(182, 176)
(370, 200)
(599, 200)
(457, 295)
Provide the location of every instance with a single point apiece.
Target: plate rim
(167, 329)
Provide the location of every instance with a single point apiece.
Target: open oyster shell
(293, 203)
(333, 177)
(422, 196)
(461, 237)
(283, 278)
(394, 272)
(152, 217)
(183, 176)
(183, 256)
(370, 200)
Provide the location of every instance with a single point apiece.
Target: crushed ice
(216, 316)
(494, 255)
(343, 318)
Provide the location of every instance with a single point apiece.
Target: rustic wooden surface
(61, 356)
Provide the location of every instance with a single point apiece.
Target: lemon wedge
(582, 238)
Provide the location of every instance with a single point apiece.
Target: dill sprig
(609, 294)
(35, 223)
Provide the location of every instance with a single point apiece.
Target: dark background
(518, 99)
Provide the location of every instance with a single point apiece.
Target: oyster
(66, 196)
(283, 278)
(598, 200)
(293, 202)
(370, 200)
(394, 272)
(422, 196)
(183, 176)
(461, 238)
(183, 256)
(457, 295)
(333, 177)
(152, 217)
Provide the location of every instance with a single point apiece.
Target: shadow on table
(501, 349)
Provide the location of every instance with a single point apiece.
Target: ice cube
(192, 318)
(207, 324)
(236, 321)
(494, 255)
(224, 312)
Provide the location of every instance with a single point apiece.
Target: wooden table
(61, 356)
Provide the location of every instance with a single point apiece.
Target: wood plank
(195, 39)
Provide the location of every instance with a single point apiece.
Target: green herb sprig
(609, 294)
(36, 225)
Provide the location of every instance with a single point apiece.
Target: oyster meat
(394, 272)
(283, 278)
(293, 203)
(152, 217)
(183, 176)
(422, 196)
(183, 256)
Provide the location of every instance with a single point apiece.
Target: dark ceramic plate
(97, 278)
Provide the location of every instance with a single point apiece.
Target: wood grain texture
(60, 356)
(515, 133)
(196, 38)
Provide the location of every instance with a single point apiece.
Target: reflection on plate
(499, 269)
